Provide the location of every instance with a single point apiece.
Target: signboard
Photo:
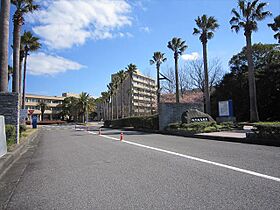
(3, 144)
(23, 115)
(200, 119)
(225, 108)
(31, 111)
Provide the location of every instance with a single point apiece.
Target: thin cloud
(145, 29)
(191, 57)
(64, 24)
(43, 64)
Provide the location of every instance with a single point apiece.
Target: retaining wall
(171, 112)
(9, 108)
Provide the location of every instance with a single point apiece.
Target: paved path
(230, 134)
(81, 170)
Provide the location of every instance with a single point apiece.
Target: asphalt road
(81, 170)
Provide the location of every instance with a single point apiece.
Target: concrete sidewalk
(238, 134)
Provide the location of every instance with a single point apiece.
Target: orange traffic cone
(121, 137)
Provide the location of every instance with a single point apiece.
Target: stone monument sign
(194, 115)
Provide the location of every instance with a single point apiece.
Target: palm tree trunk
(117, 106)
(158, 84)
(24, 80)
(122, 100)
(129, 105)
(86, 113)
(4, 43)
(112, 107)
(206, 80)
(139, 114)
(130, 97)
(254, 116)
(104, 111)
(16, 56)
(177, 78)
(20, 81)
(108, 111)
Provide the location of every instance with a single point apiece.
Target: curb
(8, 159)
(256, 141)
(266, 142)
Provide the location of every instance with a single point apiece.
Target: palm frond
(234, 12)
(236, 28)
(210, 35)
(182, 49)
(196, 31)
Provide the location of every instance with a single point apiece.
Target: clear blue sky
(85, 41)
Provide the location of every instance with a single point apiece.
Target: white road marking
(195, 158)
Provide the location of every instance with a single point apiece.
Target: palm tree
(22, 7)
(105, 98)
(83, 103)
(4, 44)
(69, 108)
(10, 72)
(30, 43)
(247, 17)
(21, 57)
(116, 83)
(43, 106)
(122, 76)
(111, 91)
(158, 59)
(178, 46)
(130, 70)
(205, 29)
(276, 28)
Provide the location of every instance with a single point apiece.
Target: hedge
(10, 134)
(199, 127)
(267, 130)
(142, 122)
(22, 128)
(48, 122)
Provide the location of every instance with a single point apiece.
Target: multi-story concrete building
(54, 105)
(138, 94)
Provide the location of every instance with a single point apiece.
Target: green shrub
(267, 129)
(10, 134)
(200, 127)
(22, 128)
(141, 122)
(174, 126)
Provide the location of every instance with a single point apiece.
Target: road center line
(196, 159)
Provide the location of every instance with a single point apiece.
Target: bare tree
(169, 87)
(184, 80)
(197, 73)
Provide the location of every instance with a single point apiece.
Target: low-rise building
(53, 109)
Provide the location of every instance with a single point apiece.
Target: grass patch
(267, 130)
(11, 136)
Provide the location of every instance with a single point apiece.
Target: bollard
(121, 137)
